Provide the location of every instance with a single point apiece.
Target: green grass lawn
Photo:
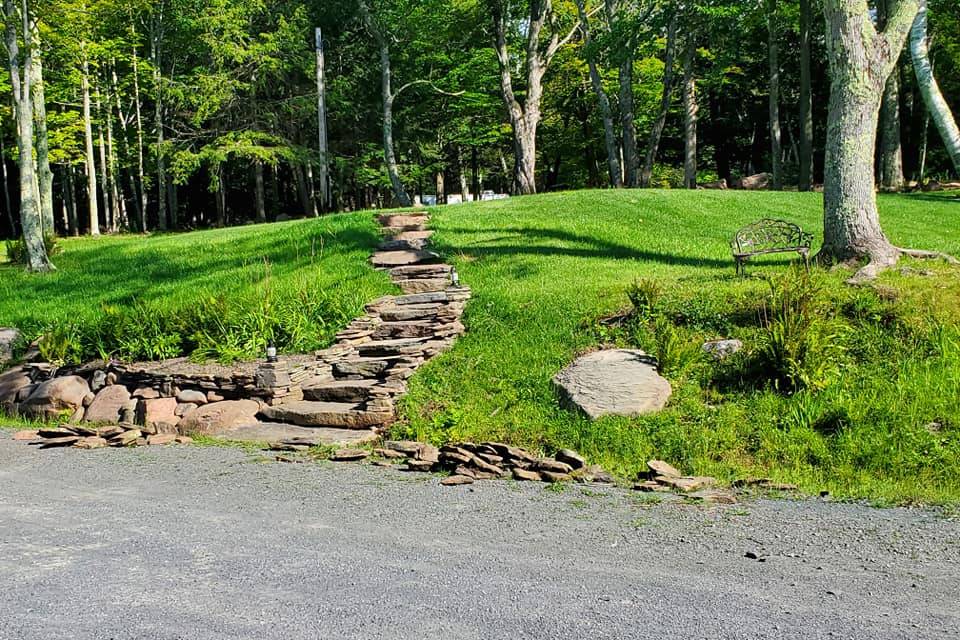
(216, 294)
(545, 269)
(881, 423)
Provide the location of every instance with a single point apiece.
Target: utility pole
(324, 177)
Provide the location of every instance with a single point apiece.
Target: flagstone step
(402, 258)
(439, 270)
(311, 413)
(404, 220)
(326, 390)
(273, 432)
(396, 244)
(409, 329)
(413, 235)
(422, 285)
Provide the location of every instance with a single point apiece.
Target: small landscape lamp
(454, 277)
(271, 351)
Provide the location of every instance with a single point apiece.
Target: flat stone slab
(312, 436)
(307, 413)
(615, 382)
(339, 390)
(402, 258)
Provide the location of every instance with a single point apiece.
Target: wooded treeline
(172, 114)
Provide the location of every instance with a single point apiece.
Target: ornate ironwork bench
(770, 236)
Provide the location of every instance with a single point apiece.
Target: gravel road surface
(198, 542)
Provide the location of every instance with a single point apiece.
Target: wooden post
(324, 176)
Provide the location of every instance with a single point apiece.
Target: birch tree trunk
(20, 76)
(104, 168)
(163, 221)
(806, 98)
(606, 114)
(92, 206)
(937, 106)
(690, 114)
(861, 60)
(6, 186)
(653, 142)
(44, 174)
(776, 148)
(70, 197)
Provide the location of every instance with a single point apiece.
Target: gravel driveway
(199, 543)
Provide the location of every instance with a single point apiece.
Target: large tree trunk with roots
(861, 59)
(653, 142)
(20, 77)
(606, 114)
(806, 98)
(937, 107)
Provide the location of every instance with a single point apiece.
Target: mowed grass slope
(545, 269)
(219, 293)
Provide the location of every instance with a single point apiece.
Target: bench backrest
(769, 234)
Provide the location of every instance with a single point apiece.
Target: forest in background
(178, 114)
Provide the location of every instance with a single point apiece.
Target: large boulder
(12, 382)
(56, 396)
(217, 417)
(615, 382)
(108, 406)
(8, 337)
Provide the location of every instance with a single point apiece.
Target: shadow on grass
(590, 248)
(118, 273)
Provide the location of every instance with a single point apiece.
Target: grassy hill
(546, 269)
(875, 413)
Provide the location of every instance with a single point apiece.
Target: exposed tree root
(889, 259)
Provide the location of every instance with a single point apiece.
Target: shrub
(17, 249)
(801, 345)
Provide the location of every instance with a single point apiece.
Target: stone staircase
(359, 379)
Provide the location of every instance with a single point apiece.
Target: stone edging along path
(344, 394)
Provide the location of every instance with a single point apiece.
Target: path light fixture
(271, 351)
(454, 277)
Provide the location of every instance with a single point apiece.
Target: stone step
(402, 245)
(410, 329)
(326, 390)
(413, 235)
(410, 312)
(389, 348)
(271, 432)
(355, 368)
(403, 221)
(439, 270)
(422, 285)
(402, 258)
(311, 413)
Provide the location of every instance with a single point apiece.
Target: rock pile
(467, 462)
(663, 477)
(83, 437)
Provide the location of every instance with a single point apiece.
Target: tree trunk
(30, 217)
(162, 221)
(220, 195)
(258, 191)
(44, 174)
(806, 98)
(92, 207)
(303, 193)
(891, 152)
(776, 145)
(525, 117)
(71, 197)
(653, 142)
(690, 113)
(627, 126)
(462, 173)
(141, 172)
(937, 106)
(6, 187)
(606, 114)
(324, 169)
(105, 178)
(861, 60)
